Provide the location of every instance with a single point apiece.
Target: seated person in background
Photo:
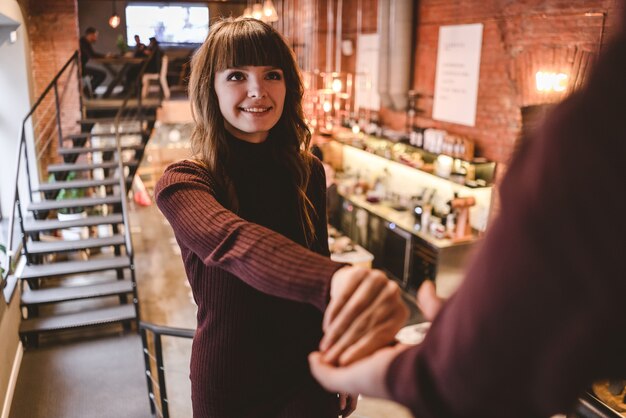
(140, 48)
(154, 54)
(86, 53)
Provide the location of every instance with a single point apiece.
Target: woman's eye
(274, 75)
(236, 76)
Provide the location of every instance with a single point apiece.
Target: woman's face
(251, 100)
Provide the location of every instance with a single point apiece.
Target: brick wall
(519, 38)
(53, 34)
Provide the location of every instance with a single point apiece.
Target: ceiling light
(114, 20)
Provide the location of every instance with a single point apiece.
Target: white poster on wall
(458, 68)
(366, 77)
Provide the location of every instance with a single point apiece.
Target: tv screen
(177, 23)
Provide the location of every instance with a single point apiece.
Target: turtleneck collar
(237, 144)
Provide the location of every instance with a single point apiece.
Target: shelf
(384, 148)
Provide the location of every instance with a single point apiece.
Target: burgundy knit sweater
(542, 311)
(260, 292)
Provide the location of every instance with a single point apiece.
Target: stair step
(76, 184)
(77, 320)
(32, 225)
(107, 104)
(65, 294)
(39, 271)
(87, 135)
(57, 168)
(91, 121)
(42, 247)
(74, 203)
(85, 150)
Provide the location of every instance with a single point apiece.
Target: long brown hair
(238, 42)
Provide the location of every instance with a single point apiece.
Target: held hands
(367, 374)
(364, 314)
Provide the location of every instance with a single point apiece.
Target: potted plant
(121, 45)
(70, 214)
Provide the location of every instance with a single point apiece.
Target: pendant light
(114, 20)
(269, 12)
(265, 12)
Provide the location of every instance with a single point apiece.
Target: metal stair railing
(22, 151)
(159, 404)
(44, 120)
(122, 178)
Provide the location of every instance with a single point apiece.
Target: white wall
(15, 100)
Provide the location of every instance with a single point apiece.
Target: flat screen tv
(169, 23)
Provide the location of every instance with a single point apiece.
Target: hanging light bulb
(257, 11)
(336, 85)
(269, 11)
(247, 12)
(114, 20)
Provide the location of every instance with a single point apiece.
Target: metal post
(158, 349)
(146, 358)
(30, 187)
(58, 111)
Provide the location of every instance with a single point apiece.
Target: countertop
(406, 221)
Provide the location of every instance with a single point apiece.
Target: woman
(244, 213)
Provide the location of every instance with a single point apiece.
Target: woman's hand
(347, 404)
(364, 314)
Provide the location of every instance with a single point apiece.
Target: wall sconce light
(548, 82)
(114, 20)
(329, 100)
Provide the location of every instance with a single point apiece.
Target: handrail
(120, 165)
(10, 250)
(52, 83)
(16, 203)
(168, 331)
(160, 409)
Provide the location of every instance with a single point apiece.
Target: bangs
(247, 44)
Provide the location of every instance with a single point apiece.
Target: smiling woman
(249, 215)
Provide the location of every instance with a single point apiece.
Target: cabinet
(404, 253)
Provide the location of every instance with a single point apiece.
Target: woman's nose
(256, 89)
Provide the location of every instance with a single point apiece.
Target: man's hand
(364, 314)
(427, 300)
(365, 376)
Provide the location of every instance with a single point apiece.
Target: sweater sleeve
(264, 259)
(539, 315)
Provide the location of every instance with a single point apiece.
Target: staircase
(76, 242)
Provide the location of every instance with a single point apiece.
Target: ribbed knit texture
(260, 294)
(541, 314)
